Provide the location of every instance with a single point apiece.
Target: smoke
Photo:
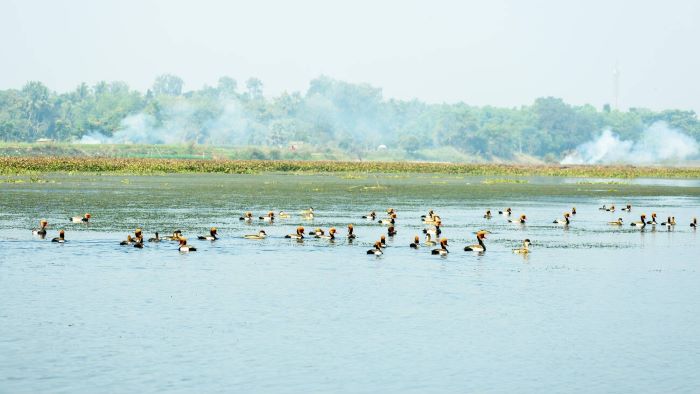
(657, 144)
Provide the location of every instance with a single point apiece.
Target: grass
(145, 166)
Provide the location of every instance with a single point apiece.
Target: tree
(255, 88)
(168, 84)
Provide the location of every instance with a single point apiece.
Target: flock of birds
(432, 232)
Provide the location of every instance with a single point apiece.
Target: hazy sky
(503, 53)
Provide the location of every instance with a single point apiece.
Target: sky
(500, 53)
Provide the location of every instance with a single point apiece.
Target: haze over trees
(354, 118)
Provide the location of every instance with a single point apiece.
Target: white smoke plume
(657, 144)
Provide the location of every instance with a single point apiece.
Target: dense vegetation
(331, 115)
(10, 166)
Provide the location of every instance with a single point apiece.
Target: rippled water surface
(593, 308)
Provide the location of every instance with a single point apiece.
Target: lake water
(593, 308)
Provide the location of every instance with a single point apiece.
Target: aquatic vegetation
(496, 181)
(144, 166)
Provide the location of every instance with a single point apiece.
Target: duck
(155, 239)
(521, 220)
(61, 237)
(270, 217)
(435, 230)
(330, 236)
(617, 222)
(668, 222)
(284, 215)
(371, 216)
(177, 234)
(298, 235)
(416, 243)
(382, 239)
(434, 219)
(128, 241)
(183, 247)
(628, 208)
(80, 219)
(525, 249)
(673, 220)
(603, 208)
(390, 211)
(391, 231)
(317, 232)
(487, 215)
(480, 247)
(308, 214)
(442, 250)
(694, 223)
(376, 250)
(429, 240)
(138, 235)
(260, 235)
(430, 215)
(248, 216)
(611, 208)
(506, 213)
(211, 237)
(566, 220)
(641, 223)
(389, 221)
(41, 231)
(573, 210)
(351, 234)
(653, 219)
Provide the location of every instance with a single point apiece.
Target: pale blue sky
(503, 53)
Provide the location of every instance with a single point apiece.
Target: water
(593, 308)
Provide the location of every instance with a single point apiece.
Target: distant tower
(616, 85)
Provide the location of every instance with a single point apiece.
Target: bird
(628, 208)
(525, 249)
(565, 221)
(520, 220)
(138, 235)
(351, 234)
(442, 250)
(183, 247)
(617, 222)
(391, 220)
(507, 212)
(317, 232)
(80, 219)
(573, 210)
(299, 235)
(177, 234)
(308, 214)
(376, 250)
(284, 215)
(155, 239)
(371, 216)
(668, 222)
(694, 223)
(61, 237)
(653, 219)
(270, 217)
(429, 241)
(603, 208)
(611, 208)
(640, 223)
(416, 243)
(382, 239)
(487, 215)
(211, 237)
(330, 236)
(128, 241)
(480, 247)
(248, 216)
(391, 231)
(41, 231)
(260, 235)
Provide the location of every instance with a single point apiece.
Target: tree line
(331, 114)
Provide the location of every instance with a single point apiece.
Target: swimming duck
(61, 237)
(270, 217)
(177, 234)
(138, 235)
(183, 247)
(382, 239)
(617, 222)
(284, 215)
(668, 222)
(430, 215)
(603, 208)
(611, 209)
(573, 210)
(435, 230)
(330, 236)
(488, 214)
(317, 232)
(298, 235)
(565, 221)
(480, 247)
(390, 211)
(351, 234)
(80, 219)
(390, 221)
(442, 250)
(372, 215)
(416, 243)
(155, 239)
(653, 219)
(260, 235)
(507, 212)
(308, 214)
(694, 223)
(642, 223)
(391, 231)
(628, 208)
(248, 216)
(521, 220)
(41, 231)
(673, 220)
(128, 241)
(429, 240)
(525, 249)
(211, 237)
(377, 250)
